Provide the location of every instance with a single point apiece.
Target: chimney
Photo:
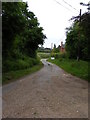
(61, 44)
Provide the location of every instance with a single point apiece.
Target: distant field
(43, 55)
(77, 68)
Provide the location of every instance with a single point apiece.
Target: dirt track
(48, 93)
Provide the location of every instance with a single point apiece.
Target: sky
(54, 16)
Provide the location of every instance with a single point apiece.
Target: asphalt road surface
(48, 93)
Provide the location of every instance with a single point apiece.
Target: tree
(56, 49)
(81, 38)
(21, 35)
(76, 40)
(85, 23)
(13, 22)
(20, 32)
(54, 46)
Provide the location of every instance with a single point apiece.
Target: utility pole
(79, 37)
(51, 48)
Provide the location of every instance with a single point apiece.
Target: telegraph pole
(79, 37)
(80, 14)
(51, 48)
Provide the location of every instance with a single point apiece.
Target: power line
(66, 7)
(62, 5)
(70, 5)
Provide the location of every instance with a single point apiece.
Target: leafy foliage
(56, 49)
(21, 32)
(78, 37)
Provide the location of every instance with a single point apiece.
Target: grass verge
(14, 75)
(77, 68)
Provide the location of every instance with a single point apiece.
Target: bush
(59, 55)
(24, 63)
(63, 55)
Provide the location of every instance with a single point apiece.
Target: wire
(66, 7)
(62, 5)
(70, 5)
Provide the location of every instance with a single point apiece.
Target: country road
(48, 93)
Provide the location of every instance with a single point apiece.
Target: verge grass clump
(13, 75)
(77, 68)
(13, 69)
(12, 64)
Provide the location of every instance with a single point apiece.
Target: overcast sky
(54, 17)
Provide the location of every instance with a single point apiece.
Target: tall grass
(15, 68)
(17, 64)
(14, 75)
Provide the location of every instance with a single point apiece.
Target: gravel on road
(48, 93)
